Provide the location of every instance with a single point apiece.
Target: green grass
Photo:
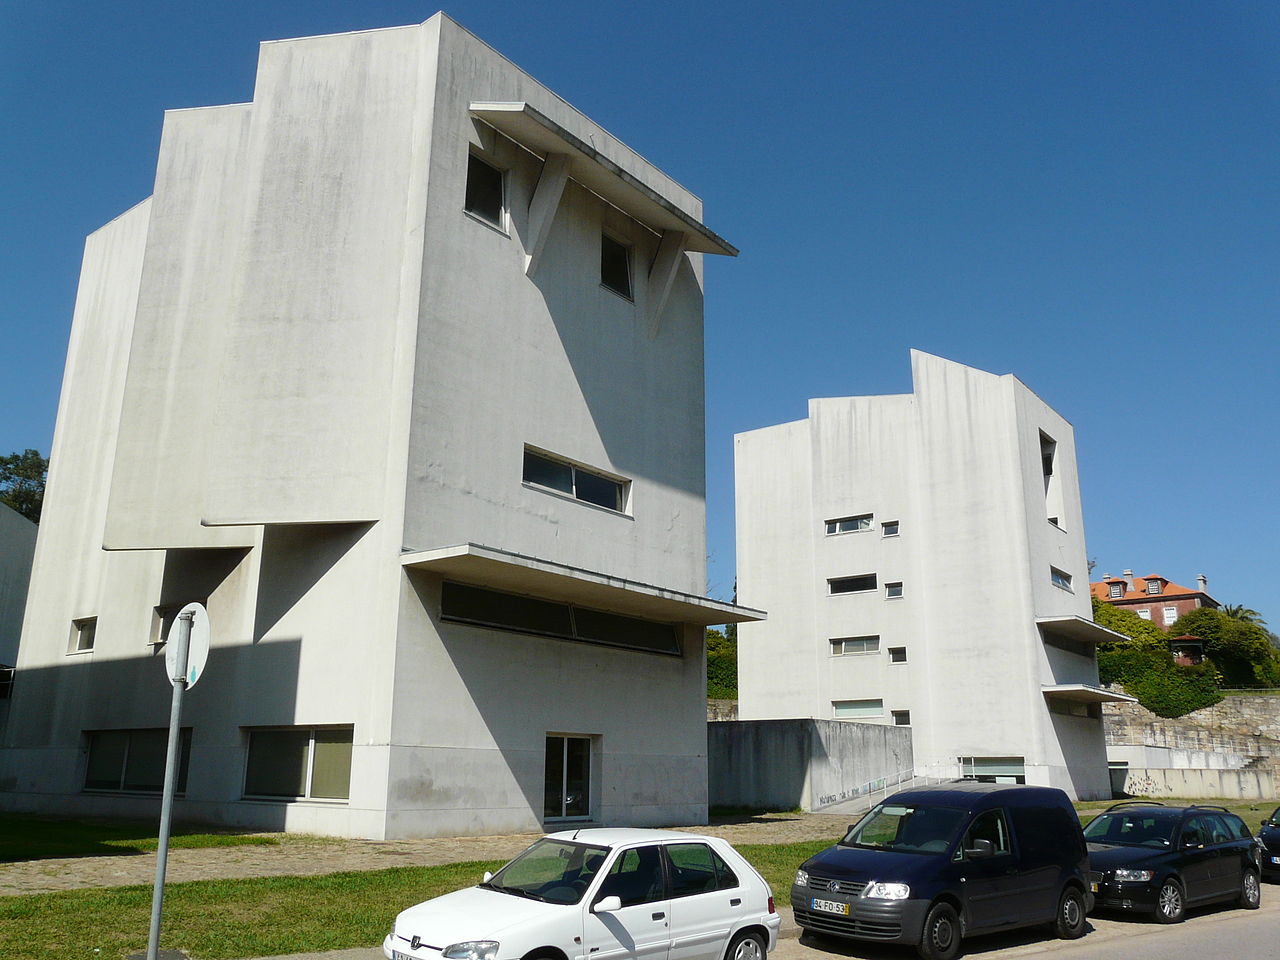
(43, 838)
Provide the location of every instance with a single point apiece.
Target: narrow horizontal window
(463, 603)
(893, 591)
(133, 761)
(1060, 578)
(851, 646)
(849, 524)
(858, 584)
(485, 191)
(574, 481)
(853, 709)
(299, 763)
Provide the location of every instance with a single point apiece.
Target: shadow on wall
(53, 710)
(294, 558)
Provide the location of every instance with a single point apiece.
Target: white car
(601, 894)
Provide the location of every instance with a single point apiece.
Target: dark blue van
(935, 864)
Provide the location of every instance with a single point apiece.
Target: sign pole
(178, 677)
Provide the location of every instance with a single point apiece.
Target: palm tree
(1238, 611)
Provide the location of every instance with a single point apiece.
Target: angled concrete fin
(663, 273)
(542, 208)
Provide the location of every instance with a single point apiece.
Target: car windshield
(1275, 814)
(905, 828)
(555, 871)
(1138, 828)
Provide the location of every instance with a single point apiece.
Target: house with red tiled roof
(1153, 597)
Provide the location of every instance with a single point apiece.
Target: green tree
(1143, 633)
(1238, 611)
(22, 477)
(722, 666)
(1241, 650)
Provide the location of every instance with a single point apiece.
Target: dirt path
(296, 856)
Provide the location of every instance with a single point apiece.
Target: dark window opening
(897, 654)
(865, 581)
(295, 763)
(133, 761)
(615, 265)
(575, 481)
(484, 197)
(567, 781)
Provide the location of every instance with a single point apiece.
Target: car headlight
(802, 878)
(471, 950)
(879, 890)
(1138, 875)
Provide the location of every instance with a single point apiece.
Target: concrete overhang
(1085, 693)
(539, 133)
(1078, 629)
(515, 573)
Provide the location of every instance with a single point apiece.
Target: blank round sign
(197, 649)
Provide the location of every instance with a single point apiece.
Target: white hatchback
(601, 894)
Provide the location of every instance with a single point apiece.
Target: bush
(1160, 685)
(1242, 651)
(722, 667)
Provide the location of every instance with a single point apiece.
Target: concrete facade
(303, 384)
(922, 559)
(17, 550)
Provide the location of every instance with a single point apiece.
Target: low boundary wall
(1193, 784)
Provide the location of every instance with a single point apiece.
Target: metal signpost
(184, 659)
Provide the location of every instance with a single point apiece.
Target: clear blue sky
(1086, 195)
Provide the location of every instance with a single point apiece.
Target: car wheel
(1250, 891)
(940, 939)
(1170, 906)
(1070, 922)
(748, 945)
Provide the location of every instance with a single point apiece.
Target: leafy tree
(722, 666)
(22, 477)
(1241, 650)
(1143, 633)
(1238, 611)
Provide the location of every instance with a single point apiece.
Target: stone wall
(1246, 726)
(722, 710)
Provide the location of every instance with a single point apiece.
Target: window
(165, 616)
(1074, 708)
(1053, 502)
(901, 718)
(133, 761)
(856, 709)
(1170, 615)
(897, 654)
(574, 481)
(1153, 586)
(1060, 579)
(83, 634)
(696, 868)
(849, 646)
(993, 769)
(1115, 590)
(849, 524)
(567, 778)
(635, 877)
(299, 763)
(485, 192)
(615, 265)
(1144, 613)
(508, 611)
(989, 826)
(893, 591)
(858, 584)
(889, 528)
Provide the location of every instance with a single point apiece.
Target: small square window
(1115, 590)
(901, 718)
(849, 524)
(1153, 586)
(889, 528)
(485, 191)
(897, 654)
(1145, 614)
(1060, 579)
(893, 591)
(83, 634)
(615, 265)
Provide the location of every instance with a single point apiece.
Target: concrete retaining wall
(1252, 784)
(805, 763)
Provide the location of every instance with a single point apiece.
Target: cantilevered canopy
(1078, 629)
(1085, 693)
(539, 133)
(499, 570)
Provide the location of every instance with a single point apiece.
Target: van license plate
(830, 906)
(397, 955)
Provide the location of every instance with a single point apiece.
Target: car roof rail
(1133, 803)
(1208, 806)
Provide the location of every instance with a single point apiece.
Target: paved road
(1214, 933)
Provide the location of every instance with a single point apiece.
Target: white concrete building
(922, 559)
(399, 370)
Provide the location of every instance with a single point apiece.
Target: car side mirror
(1268, 823)
(980, 850)
(607, 905)
(487, 877)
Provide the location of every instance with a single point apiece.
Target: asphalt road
(1212, 933)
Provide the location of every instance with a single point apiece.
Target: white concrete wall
(957, 464)
(17, 551)
(1200, 784)
(1170, 758)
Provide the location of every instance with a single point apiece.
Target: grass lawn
(43, 838)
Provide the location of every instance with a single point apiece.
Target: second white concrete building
(922, 559)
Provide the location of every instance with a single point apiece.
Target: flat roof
(1079, 629)
(536, 131)
(482, 566)
(1085, 693)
